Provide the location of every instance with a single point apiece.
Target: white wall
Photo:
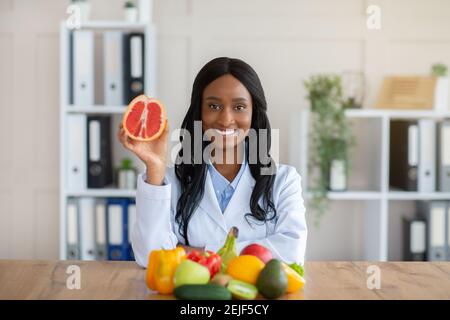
(285, 41)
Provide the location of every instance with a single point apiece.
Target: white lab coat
(156, 228)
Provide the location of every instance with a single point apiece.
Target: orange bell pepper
(161, 268)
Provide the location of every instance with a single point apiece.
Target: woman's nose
(226, 117)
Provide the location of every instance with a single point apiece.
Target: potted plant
(331, 139)
(131, 12)
(439, 70)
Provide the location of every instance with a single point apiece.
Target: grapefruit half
(145, 119)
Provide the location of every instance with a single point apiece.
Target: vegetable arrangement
(223, 275)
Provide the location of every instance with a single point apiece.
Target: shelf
(104, 193)
(411, 195)
(395, 114)
(105, 24)
(352, 195)
(98, 109)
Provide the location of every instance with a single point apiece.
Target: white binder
(76, 157)
(113, 67)
(131, 222)
(436, 231)
(427, 156)
(448, 230)
(87, 228)
(100, 230)
(418, 237)
(72, 236)
(444, 156)
(83, 67)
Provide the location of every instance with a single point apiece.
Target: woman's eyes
(214, 106)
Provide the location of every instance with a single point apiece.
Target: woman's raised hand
(152, 153)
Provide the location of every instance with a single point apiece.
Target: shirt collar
(220, 182)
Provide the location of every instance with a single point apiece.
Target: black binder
(404, 155)
(99, 151)
(134, 66)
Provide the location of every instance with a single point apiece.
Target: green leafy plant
(331, 136)
(129, 4)
(439, 70)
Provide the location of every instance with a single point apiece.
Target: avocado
(272, 281)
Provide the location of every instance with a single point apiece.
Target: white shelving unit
(67, 109)
(376, 216)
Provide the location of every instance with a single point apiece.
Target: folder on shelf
(113, 68)
(404, 154)
(427, 156)
(72, 236)
(435, 215)
(414, 243)
(99, 152)
(134, 54)
(117, 221)
(100, 229)
(444, 156)
(83, 67)
(131, 222)
(76, 152)
(448, 230)
(87, 228)
(70, 70)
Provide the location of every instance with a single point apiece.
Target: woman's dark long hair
(192, 176)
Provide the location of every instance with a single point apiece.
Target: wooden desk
(125, 280)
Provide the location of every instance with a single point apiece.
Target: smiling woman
(197, 202)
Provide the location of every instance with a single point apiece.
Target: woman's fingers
(125, 139)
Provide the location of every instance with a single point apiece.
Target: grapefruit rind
(147, 100)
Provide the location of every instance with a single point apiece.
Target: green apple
(190, 272)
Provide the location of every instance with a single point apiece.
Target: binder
(113, 70)
(87, 228)
(83, 67)
(100, 230)
(76, 158)
(99, 152)
(72, 237)
(435, 215)
(131, 222)
(444, 156)
(117, 221)
(134, 52)
(448, 230)
(414, 243)
(427, 156)
(404, 154)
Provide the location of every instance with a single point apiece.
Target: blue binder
(131, 222)
(117, 221)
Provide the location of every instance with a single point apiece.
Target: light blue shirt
(224, 189)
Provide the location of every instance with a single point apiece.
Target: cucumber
(242, 290)
(202, 292)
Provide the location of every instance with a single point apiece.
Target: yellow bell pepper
(161, 268)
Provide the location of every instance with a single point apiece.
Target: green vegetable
(242, 290)
(228, 251)
(298, 268)
(202, 292)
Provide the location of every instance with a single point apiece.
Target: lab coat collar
(238, 205)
